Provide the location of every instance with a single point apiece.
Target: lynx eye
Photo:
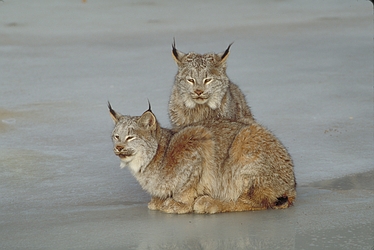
(116, 137)
(207, 80)
(130, 138)
(191, 80)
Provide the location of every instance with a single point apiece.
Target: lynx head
(201, 79)
(134, 139)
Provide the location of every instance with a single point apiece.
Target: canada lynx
(202, 90)
(210, 167)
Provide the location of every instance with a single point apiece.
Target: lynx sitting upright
(202, 90)
(213, 166)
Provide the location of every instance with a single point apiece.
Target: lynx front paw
(173, 207)
(205, 204)
(155, 203)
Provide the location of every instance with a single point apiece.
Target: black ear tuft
(227, 51)
(115, 116)
(111, 110)
(176, 54)
(149, 106)
(174, 49)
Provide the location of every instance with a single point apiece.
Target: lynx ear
(224, 55)
(115, 116)
(177, 55)
(148, 120)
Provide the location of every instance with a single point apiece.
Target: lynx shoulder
(202, 90)
(212, 166)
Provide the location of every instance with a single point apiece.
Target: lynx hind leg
(208, 205)
(285, 201)
(155, 203)
(271, 198)
(268, 166)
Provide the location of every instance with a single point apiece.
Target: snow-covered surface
(306, 68)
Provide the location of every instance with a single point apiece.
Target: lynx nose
(199, 92)
(118, 148)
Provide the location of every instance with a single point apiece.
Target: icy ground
(306, 68)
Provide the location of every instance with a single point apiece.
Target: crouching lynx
(202, 90)
(210, 167)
